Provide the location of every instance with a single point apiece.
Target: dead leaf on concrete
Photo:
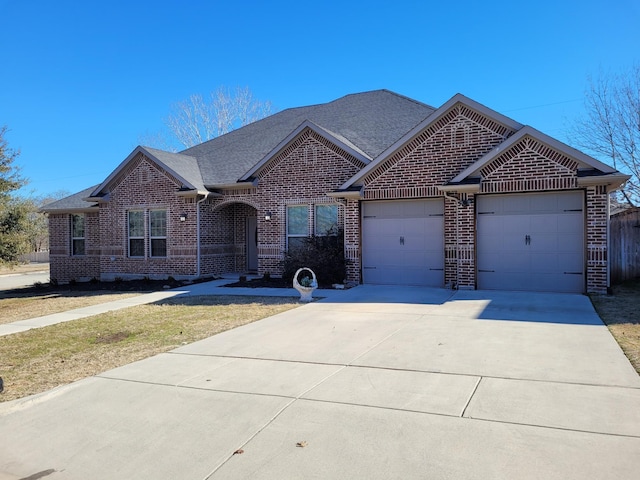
(238, 452)
(301, 444)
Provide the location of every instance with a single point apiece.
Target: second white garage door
(403, 242)
(531, 242)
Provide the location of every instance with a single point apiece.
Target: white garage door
(532, 242)
(403, 242)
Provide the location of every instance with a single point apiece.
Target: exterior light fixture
(267, 216)
(183, 217)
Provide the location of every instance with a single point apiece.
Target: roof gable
(476, 111)
(182, 167)
(581, 160)
(331, 137)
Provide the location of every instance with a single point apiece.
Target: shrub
(322, 254)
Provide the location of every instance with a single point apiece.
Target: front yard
(621, 313)
(38, 360)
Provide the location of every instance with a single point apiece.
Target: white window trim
(83, 238)
(158, 237)
(137, 237)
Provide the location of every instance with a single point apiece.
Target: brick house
(458, 196)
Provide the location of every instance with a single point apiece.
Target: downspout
(457, 201)
(198, 235)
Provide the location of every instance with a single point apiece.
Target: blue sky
(83, 82)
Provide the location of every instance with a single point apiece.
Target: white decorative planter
(306, 293)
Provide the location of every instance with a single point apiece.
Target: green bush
(322, 254)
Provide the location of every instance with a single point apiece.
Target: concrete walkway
(375, 383)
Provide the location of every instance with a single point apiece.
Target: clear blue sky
(82, 81)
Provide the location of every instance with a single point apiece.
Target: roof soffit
(331, 137)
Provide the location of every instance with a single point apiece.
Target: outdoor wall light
(183, 217)
(267, 216)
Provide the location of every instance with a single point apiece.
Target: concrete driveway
(376, 383)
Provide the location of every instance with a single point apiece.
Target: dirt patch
(113, 337)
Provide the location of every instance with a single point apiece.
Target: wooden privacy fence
(624, 251)
(37, 257)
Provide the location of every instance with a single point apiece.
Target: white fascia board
(434, 117)
(195, 193)
(614, 180)
(352, 194)
(87, 209)
(460, 188)
(292, 136)
(230, 186)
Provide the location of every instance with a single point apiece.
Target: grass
(22, 306)
(8, 268)
(37, 360)
(620, 311)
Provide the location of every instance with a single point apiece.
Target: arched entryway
(229, 239)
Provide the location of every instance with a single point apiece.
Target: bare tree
(196, 119)
(611, 128)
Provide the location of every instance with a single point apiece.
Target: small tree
(611, 128)
(13, 211)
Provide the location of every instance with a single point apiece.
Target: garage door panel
(504, 262)
(543, 224)
(382, 226)
(536, 242)
(403, 242)
(571, 223)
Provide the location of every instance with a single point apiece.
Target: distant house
(458, 196)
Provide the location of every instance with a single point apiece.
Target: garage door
(532, 242)
(403, 242)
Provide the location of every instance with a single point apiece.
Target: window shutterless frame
(157, 233)
(135, 233)
(77, 235)
(297, 225)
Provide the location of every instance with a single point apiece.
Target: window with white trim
(158, 233)
(297, 225)
(77, 235)
(326, 220)
(135, 233)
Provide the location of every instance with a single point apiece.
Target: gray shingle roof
(72, 202)
(184, 165)
(367, 122)
(370, 121)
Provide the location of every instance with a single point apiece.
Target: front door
(252, 244)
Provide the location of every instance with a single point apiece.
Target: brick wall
(302, 174)
(65, 267)
(453, 143)
(597, 233)
(143, 186)
(431, 159)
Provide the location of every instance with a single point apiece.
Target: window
(136, 233)
(158, 232)
(326, 219)
(77, 235)
(297, 225)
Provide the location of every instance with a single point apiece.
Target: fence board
(624, 251)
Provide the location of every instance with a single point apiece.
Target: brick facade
(305, 172)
